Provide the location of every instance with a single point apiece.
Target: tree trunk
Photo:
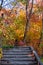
(1, 5)
(41, 38)
(28, 16)
(0, 10)
(42, 21)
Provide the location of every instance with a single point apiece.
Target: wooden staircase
(20, 56)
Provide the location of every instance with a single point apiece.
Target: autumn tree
(40, 11)
(42, 21)
(28, 16)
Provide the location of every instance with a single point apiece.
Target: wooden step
(18, 56)
(16, 53)
(20, 63)
(19, 59)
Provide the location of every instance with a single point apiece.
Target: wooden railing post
(37, 57)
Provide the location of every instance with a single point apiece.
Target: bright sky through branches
(7, 3)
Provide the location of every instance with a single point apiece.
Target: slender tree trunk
(1, 2)
(28, 16)
(2, 17)
(42, 23)
(41, 37)
(1, 5)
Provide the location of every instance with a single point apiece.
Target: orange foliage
(35, 32)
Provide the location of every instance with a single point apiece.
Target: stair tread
(20, 62)
(18, 56)
(17, 53)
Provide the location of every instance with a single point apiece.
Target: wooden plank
(16, 53)
(19, 59)
(20, 63)
(18, 56)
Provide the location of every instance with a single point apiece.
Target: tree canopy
(23, 21)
